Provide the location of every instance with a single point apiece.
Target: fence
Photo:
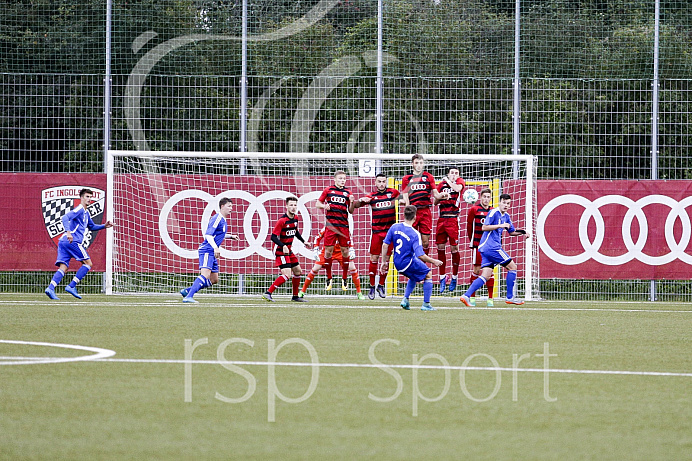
(595, 90)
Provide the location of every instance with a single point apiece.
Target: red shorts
(476, 257)
(286, 262)
(336, 256)
(376, 244)
(447, 228)
(423, 222)
(334, 234)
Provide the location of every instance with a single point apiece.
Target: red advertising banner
(32, 205)
(615, 229)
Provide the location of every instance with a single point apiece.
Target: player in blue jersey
(492, 254)
(210, 251)
(410, 257)
(75, 223)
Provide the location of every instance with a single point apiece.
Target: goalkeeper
(346, 266)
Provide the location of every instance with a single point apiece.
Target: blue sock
(57, 277)
(200, 282)
(479, 282)
(410, 286)
(511, 277)
(427, 290)
(79, 275)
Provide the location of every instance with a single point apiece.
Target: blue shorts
(416, 271)
(67, 251)
(493, 257)
(208, 261)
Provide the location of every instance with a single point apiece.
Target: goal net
(161, 203)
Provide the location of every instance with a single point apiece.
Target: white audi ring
(634, 249)
(256, 206)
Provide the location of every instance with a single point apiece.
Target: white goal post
(160, 203)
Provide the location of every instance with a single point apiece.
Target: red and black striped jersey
(285, 229)
(383, 209)
(450, 208)
(338, 200)
(419, 188)
(474, 223)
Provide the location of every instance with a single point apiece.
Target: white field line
(98, 353)
(400, 366)
(286, 303)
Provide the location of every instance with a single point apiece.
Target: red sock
(490, 284)
(277, 283)
(308, 280)
(472, 278)
(356, 279)
(296, 284)
(442, 256)
(456, 257)
(372, 270)
(383, 276)
(344, 271)
(328, 267)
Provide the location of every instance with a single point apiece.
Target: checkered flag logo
(56, 202)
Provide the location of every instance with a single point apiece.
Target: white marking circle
(98, 353)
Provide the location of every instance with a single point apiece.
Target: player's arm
(385, 247)
(427, 259)
(404, 191)
(458, 186)
(363, 201)
(470, 218)
(67, 217)
(299, 236)
(511, 230)
(322, 203)
(437, 195)
(275, 236)
(351, 204)
(96, 227)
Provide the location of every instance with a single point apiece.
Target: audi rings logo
(255, 243)
(634, 249)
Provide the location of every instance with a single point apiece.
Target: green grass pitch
(291, 381)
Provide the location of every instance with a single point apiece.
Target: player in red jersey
(337, 201)
(474, 227)
(382, 202)
(448, 225)
(285, 230)
(416, 189)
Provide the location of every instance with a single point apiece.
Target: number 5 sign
(369, 168)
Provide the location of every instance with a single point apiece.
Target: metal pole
(380, 82)
(654, 117)
(517, 88)
(107, 90)
(243, 83)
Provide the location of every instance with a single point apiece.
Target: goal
(161, 202)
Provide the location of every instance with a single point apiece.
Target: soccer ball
(470, 196)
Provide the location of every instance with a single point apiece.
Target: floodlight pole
(517, 89)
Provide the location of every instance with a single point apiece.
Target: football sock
(277, 283)
(479, 282)
(490, 284)
(296, 284)
(79, 275)
(328, 267)
(383, 276)
(427, 290)
(410, 286)
(442, 256)
(308, 280)
(456, 258)
(511, 277)
(344, 273)
(57, 277)
(200, 282)
(472, 278)
(356, 279)
(372, 270)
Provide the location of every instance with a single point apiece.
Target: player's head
(505, 202)
(340, 178)
(381, 182)
(486, 197)
(453, 173)
(225, 206)
(410, 213)
(417, 163)
(85, 196)
(291, 206)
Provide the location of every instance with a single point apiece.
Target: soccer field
(238, 378)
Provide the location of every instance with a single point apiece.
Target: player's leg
(424, 222)
(383, 273)
(511, 278)
(476, 260)
(286, 274)
(487, 269)
(62, 263)
(452, 228)
(490, 285)
(81, 255)
(311, 275)
(372, 273)
(297, 272)
(207, 265)
(351, 266)
(441, 244)
(427, 292)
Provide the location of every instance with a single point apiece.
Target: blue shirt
(77, 221)
(217, 229)
(492, 240)
(407, 245)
